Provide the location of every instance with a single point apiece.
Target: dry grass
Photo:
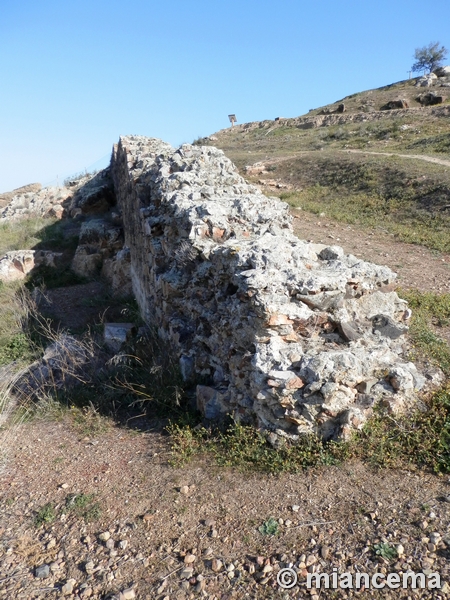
(22, 234)
(16, 308)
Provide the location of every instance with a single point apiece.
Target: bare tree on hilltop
(429, 57)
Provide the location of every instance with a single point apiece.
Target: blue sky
(77, 74)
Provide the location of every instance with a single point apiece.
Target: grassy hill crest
(360, 166)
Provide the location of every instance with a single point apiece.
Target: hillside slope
(359, 166)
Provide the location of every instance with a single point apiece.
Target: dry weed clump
(16, 310)
(22, 234)
(16, 351)
(29, 384)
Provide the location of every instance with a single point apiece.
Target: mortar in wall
(291, 336)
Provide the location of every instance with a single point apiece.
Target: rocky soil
(151, 530)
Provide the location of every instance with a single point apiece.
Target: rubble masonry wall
(291, 336)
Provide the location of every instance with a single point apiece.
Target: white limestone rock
(285, 332)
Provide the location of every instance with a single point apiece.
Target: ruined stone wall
(312, 122)
(292, 336)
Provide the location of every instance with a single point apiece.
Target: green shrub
(17, 348)
(15, 310)
(45, 515)
(385, 551)
(84, 506)
(269, 527)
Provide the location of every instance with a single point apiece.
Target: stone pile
(17, 264)
(430, 99)
(84, 199)
(62, 366)
(46, 202)
(439, 78)
(368, 114)
(292, 336)
(6, 197)
(88, 195)
(92, 194)
(98, 240)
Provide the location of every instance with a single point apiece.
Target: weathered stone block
(16, 265)
(118, 334)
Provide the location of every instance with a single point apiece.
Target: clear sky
(77, 74)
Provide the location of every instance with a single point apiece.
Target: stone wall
(292, 336)
(327, 120)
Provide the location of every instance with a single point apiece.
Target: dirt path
(431, 159)
(416, 266)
